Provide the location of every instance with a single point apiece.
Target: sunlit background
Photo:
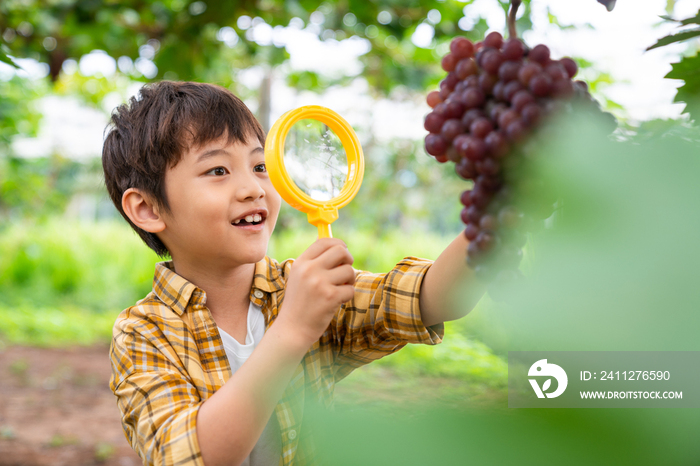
(616, 272)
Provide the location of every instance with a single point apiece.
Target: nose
(249, 188)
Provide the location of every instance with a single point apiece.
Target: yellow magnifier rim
(320, 213)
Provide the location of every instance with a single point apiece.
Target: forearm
(449, 289)
(231, 421)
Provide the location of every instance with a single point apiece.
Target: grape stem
(512, 32)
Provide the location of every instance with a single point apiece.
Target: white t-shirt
(268, 450)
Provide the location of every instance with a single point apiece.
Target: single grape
(516, 130)
(570, 66)
(481, 127)
(509, 70)
(435, 144)
(486, 82)
(465, 198)
(496, 144)
(441, 158)
(491, 184)
(498, 90)
(473, 254)
(531, 114)
(491, 61)
(510, 89)
(480, 196)
(471, 115)
(460, 87)
(496, 110)
(445, 92)
(433, 99)
(479, 56)
(465, 169)
(527, 71)
(452, 109)
(488, 167)
(472, 97)
(563, 89)
(451, 80)
(473, 214)
(513, 49)
(493, 39)
(472, 81)
(556, 71)
(485, 240)
(448, 62)
(451, 129)
(471, 231)
(473, 148)
(541, 84)
(521, 99)
(461, 47)
(539, 54)
(465, 68)
(440, 109)
(507, 117)
(488, 222)
(433, 122)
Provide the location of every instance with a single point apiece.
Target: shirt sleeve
(158, 404)
(382, 317)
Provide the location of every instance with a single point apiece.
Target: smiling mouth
(254, 219)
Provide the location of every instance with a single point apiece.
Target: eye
(218, 171)
(260, 168)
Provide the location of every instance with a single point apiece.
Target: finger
(346, 293)
(335, 256)
(320, 246)
(343, 275)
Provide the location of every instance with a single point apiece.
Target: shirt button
(292, 434)
(258, 294)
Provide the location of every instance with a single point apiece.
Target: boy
(184, 165)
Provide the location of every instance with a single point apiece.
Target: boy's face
(211, 192)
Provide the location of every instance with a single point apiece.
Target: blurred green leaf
(672, 39)
(4, 52)
(688, 69)
(684, 22)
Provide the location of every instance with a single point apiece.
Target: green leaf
(693, 20)
(6, 59)
(684, 22)
(688, 69)
(685, 35)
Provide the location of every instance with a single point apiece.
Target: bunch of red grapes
(496, 94)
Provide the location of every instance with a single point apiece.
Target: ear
(142, 211)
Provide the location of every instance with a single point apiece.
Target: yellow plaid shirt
(168, 358)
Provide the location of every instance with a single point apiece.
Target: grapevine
(497, 94)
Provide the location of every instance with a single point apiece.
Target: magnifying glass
(323, 196)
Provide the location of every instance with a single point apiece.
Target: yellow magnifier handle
(320, 213)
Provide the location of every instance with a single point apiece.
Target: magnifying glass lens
(315, 159)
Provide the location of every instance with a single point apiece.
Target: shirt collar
(177, 292)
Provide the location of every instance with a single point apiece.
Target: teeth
(249, 218)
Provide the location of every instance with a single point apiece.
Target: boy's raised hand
(320, 280)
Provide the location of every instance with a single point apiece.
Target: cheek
(274, 201)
